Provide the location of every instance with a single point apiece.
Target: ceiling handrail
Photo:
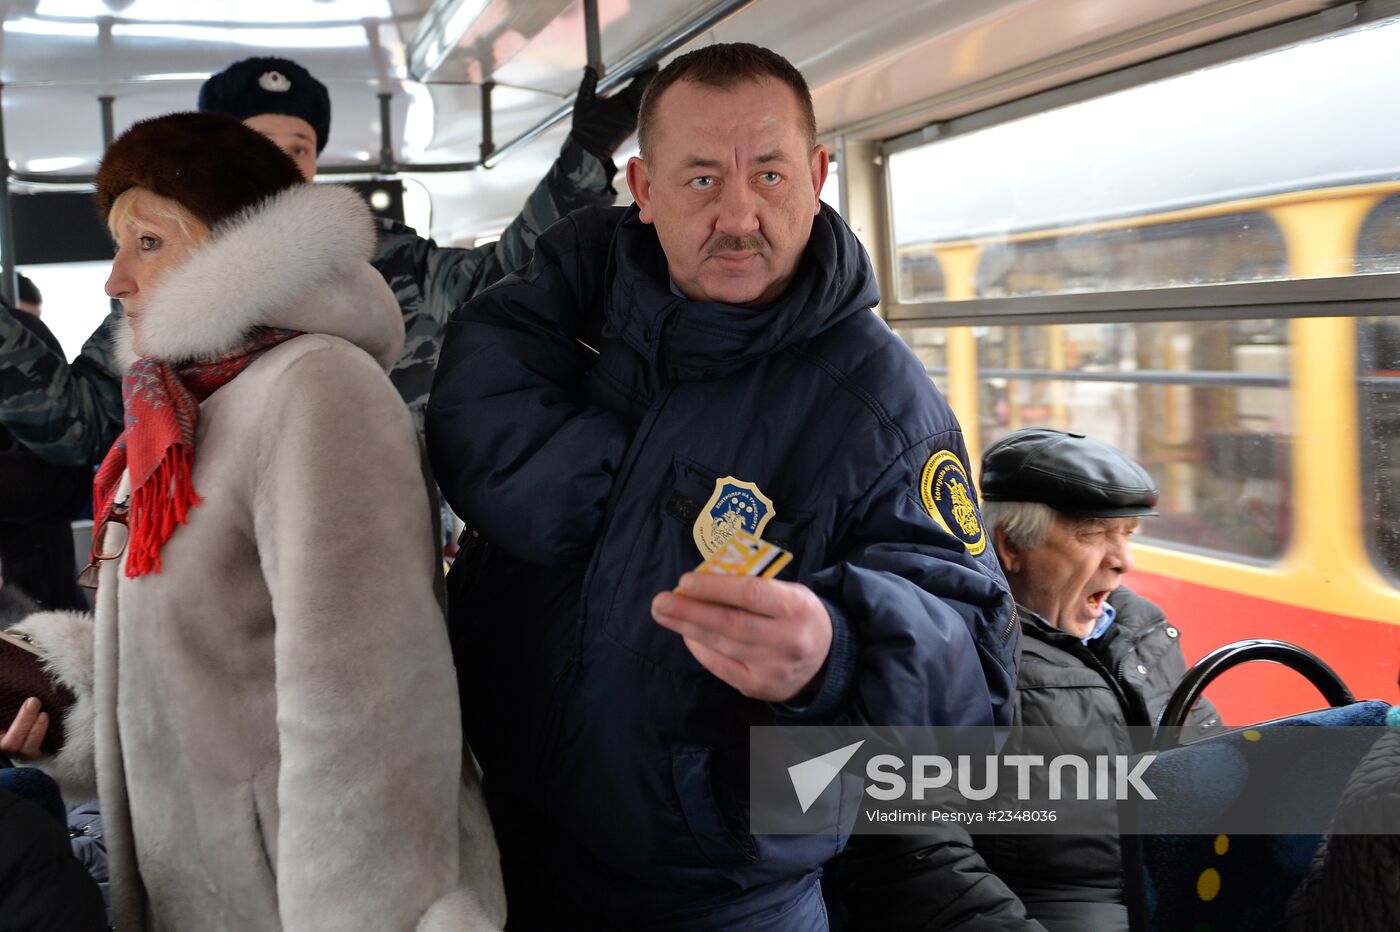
(638, 61)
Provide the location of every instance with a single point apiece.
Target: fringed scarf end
(157, 506)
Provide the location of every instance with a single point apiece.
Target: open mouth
(1097, 599)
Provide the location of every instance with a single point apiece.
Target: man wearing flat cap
(70, 414)
(1059, 509)
(1065, 506)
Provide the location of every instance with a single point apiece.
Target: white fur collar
(299, 260)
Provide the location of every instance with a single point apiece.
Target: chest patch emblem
(735, 505)
(948, 495)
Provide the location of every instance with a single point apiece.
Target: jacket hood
(298, 260)
(700, 340)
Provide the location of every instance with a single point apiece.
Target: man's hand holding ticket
(765, 637)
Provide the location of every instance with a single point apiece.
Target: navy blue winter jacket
(590, 487)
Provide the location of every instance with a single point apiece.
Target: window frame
(1369, 294)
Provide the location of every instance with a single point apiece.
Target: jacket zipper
(624, 476)
(1011, 625)
(1142, 636)
(553, 719)
(1072, 646)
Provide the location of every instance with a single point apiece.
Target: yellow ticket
(746, 555)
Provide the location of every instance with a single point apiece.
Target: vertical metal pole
(386, 134)
(593, 36)
(109, 129)
(9, 284)
(488, 143)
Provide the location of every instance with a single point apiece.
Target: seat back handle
(1205, 670)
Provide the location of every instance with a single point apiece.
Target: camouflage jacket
(69, 414)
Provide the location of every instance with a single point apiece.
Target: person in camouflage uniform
(69, 414)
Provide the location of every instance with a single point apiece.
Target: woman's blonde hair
(144, 204)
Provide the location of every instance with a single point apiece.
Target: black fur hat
(255, 86)
(211, 165)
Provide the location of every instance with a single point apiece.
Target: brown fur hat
(211, 164)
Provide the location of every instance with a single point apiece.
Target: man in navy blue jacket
(741, 380)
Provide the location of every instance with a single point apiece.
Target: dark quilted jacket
(1122, 679)
(591, 721)
(1353, 883)
(942, 881)
(43, 888)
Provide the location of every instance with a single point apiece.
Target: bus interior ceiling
(876, 68)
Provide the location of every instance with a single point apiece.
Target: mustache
(754, 243)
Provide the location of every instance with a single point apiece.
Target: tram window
(831, 191)
(920, 275)
(1378, 368)
(930, 344)
(1208, 250)
(1378, 247)
(1204, 406)
(1151, 186)
(1378, 389)
(74, 300)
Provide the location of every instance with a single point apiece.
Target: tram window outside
(1209, 250)
(831, 191)
(1168, 184)
(1378, 247)
(1378, 388)
(1378, 372)
(75, 301)
(930, 344)
(1204, 406)
(920, 276)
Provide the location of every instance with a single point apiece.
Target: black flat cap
(1071, 473)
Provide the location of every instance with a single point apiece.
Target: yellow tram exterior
(1326, 588)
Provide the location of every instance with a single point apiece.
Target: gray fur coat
(271, 721)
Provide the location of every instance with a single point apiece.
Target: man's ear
(821, 165)
(1011, 558)
(639, 181)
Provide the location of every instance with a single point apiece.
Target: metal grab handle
(1232, 655)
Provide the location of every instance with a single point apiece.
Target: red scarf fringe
(157, 506)
(162, 414)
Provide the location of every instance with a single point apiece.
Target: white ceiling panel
(877, 66)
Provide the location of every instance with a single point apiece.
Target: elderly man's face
(731, 183)
(1067, 579)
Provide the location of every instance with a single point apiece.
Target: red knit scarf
(162, 413)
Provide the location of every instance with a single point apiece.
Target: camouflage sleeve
(431, 281)
(68, 414)
(577, 179)
(451, 276)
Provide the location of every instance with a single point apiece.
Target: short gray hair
(1026, 524)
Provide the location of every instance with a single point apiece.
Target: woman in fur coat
(265, 696)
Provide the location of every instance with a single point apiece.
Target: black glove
(601, 124)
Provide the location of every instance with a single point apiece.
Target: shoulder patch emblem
(735, 505)
(948, 495)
